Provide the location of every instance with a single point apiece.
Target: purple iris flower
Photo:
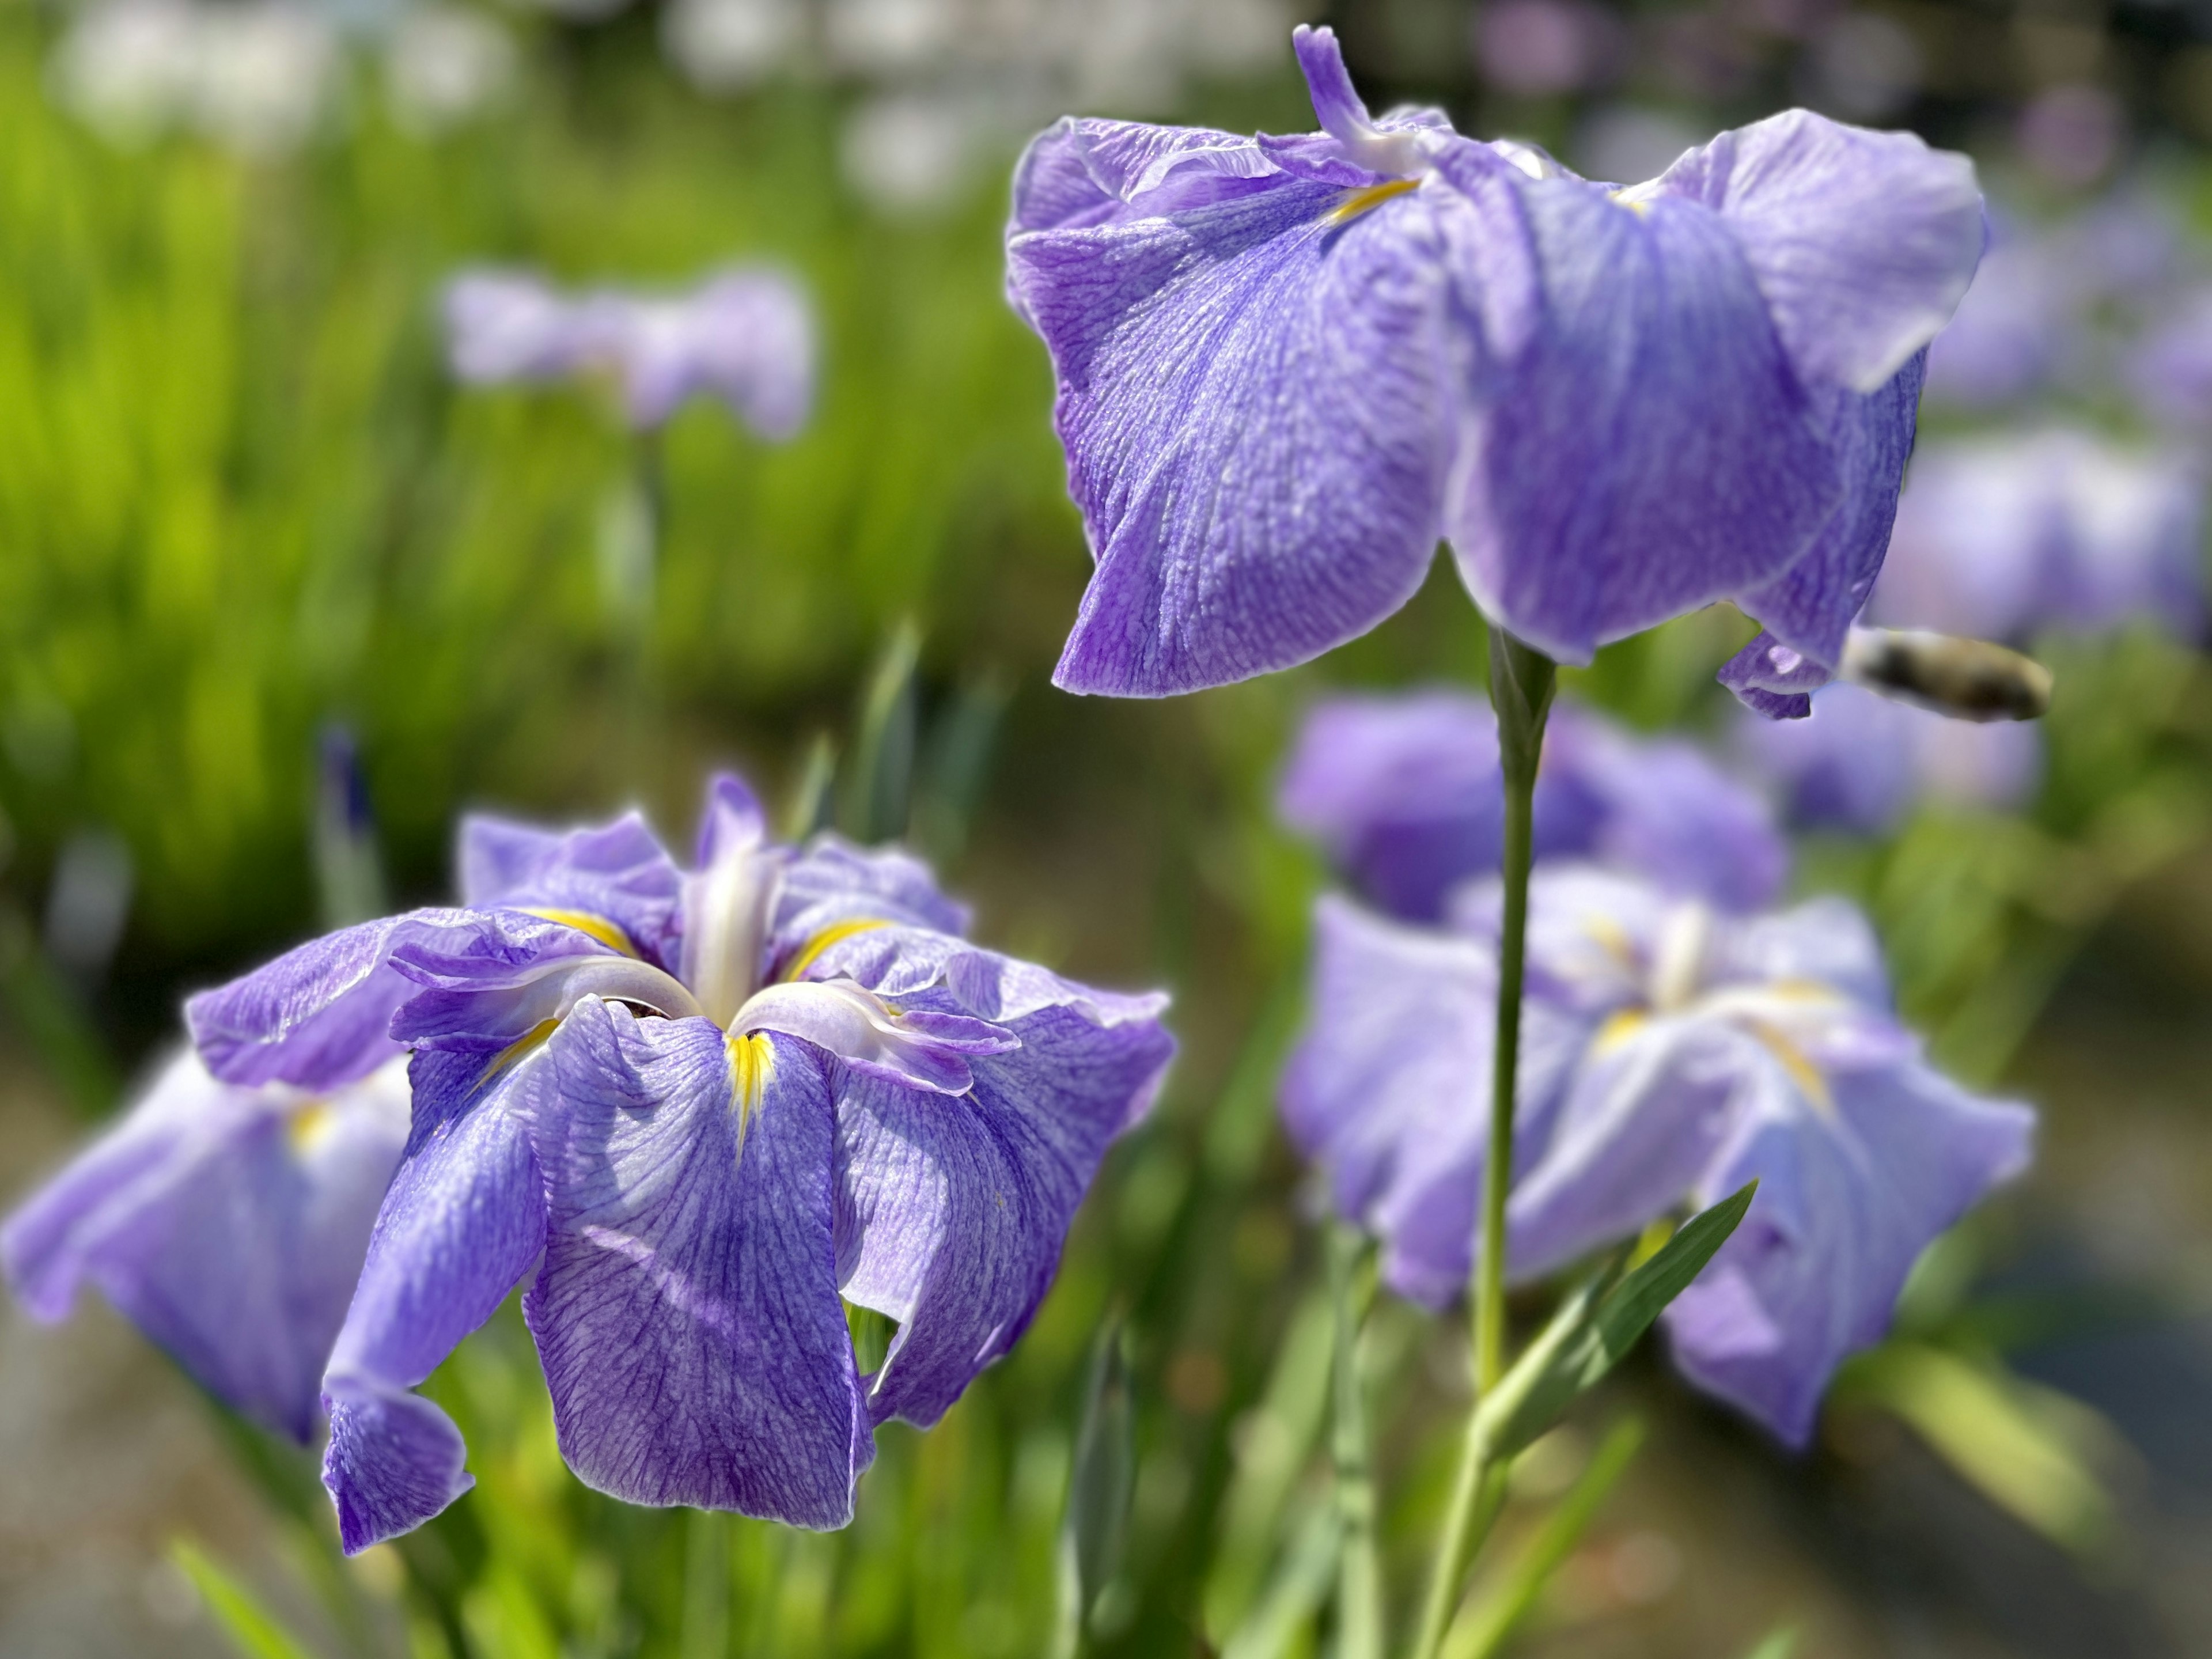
(2170, 369)
(1672, 1055)
(228, 1224)
(1998, 537)
(1404, 793)
(1861, 762)
(691, 1109)
(1287, 366)
(744, 335)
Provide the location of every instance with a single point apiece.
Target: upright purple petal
(1249, 395)
(1851, 1192)
(1863, 242)
(464, 1221)
(317, 1016)
(687, 1314)
(228, 1225)
(617, 872)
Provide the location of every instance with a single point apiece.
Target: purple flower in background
(228, 1224)
(691, 1109)
(1287, 365)
(2170, 368)
(1998, 537)
(1404, 793)
(1862, 761)
(1673, 1054)
(744, 335)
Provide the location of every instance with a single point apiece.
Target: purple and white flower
(1287, 365)
(1404, 793)
(691, 1109)
(744, 335)
(1672, 1053)
(228, 1224)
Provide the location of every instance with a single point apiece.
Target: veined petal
(1081, 172)
(1847, 1200)
(317, 1016)
(952, 1212)
(926, 1048)
(1249, 395)
(459, 1229)
(1863, 242)
(228, 1225)
(687, 1314)
(1636, 443)
(831, 882)
(617, 873)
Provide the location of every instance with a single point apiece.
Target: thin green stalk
(1359, 1616)
(1520, 682)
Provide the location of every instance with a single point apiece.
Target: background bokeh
(242, 500)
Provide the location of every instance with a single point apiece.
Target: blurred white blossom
(253, 76)
(444, 65)
(727, 46)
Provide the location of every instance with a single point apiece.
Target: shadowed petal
(953, 1212)
(687, 1314)
(459, 1229)
(618, 872)
(1848, 1199)
(228, 1225)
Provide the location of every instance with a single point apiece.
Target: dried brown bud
(1947, 674)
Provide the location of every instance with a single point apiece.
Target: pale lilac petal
(1640, 445)
(1249, 396)
(831, 883)
(687, 1314)
(1849, 1196)
(505, 327)
(228, 1225)
(462, 1223)
(745, 337)
(920, 1049)
(953, 1212)
(617, 872)
(1864, 243)
(1082, 172)
(317, 1016)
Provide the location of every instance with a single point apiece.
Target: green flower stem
(1520, 683)
(1360, 1615)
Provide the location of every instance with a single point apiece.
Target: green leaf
(878, 787)
(1777, 1643)
(1096, 1524)
(1599, 1324)
(250, 1626)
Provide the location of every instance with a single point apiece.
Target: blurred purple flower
(1859, 762)
(1671, 1056)
(1404, 793)
(1540, 47)
(228, 1224)
(1287, 365)
(2072, 134)
(2170, 367)
(744, 335)
(1997, 537)
(691, 1109)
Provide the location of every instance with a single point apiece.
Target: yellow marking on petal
(609, 934)
(835, 933)
(1369, 196)
(1619, 1025)
(307, 1126)
(1612, 938)
(516, 1049)
(751, 1059)
(1802, 1071)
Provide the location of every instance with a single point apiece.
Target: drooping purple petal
(317, 1016)
(953, 1212)
(687, 1314)
(1864, 243)
(1251, 401)
(461, 1227)
(617, 873)
(1851, 1192)
(226, 1223)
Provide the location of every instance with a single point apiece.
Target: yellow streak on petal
(308, 1125)
(1367, 196)
(835, 933)
(1619, 1025)
(516, 1049)
(751, 1059)
(609, 934)
(1802, 1071)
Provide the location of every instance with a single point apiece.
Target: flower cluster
(697, 1113)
